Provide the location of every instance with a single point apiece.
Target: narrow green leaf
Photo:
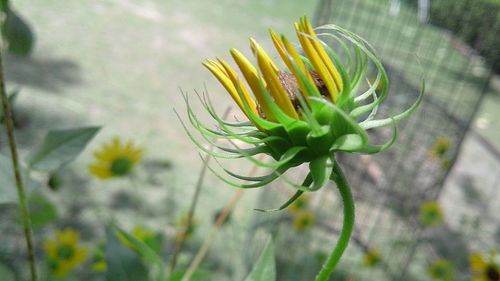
(59, 148)
(123, 263)
(265, 268)
(154, 262)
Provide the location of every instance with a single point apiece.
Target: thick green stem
(9, 125)
(345, 235)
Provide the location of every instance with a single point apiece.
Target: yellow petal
(477, 263)
(236, 81)
(100, 171)
(253, 45)
(68, 237)
(275, 88)
(307, 28)
(225, 81)
(287, 58)
(252, 77)
(51, 248)
(317, 62)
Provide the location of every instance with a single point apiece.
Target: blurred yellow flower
(441, 270)
(372, 257)
(300, 204)
(303, 220)
(484, 269)
(115, 159)
(63, 252)
(431, 214)
(439, 150)
(440, 147)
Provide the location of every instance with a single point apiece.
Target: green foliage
(265, 268)
(42, 211)
(16, 32)
(6, 273)
(59, 148)
(148, 254)
(123, 264)
(8, 193)
(11, 99)
(197, 275)
(476, 22)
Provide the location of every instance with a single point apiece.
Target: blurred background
(121, 64)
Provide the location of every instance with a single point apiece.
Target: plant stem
(194, 202)
(213, 231)
(9, 124)
(345, 192)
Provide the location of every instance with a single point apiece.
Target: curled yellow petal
(284, 49)
(317, 62)
(239, 84)
(307, 28)
(254, 46)
(277, 90)
(253, 80)
(224, 80)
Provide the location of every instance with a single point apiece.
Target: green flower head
(317, 104)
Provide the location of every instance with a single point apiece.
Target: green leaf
(197, 275)
(123, 263)
(42, 211)
(155, 263)
(59, 148)
(7, 273)
(17, 33)
(265, 268)
(11, 99)
(8, 190)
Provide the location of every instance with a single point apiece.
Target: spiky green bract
(323, 127)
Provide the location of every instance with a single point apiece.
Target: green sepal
(372, 149)
(320, 171)
(307, 181)
(384, 122)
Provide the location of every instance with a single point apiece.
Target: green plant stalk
(194, 202)
(9, 124)
(349, 213)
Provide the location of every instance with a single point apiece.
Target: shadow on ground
(48, 74)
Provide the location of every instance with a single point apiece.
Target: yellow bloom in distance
(115, 159)
(484, 269)
(63, 252)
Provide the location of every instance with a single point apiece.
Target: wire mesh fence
(392, 188)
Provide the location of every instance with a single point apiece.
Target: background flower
(484, 269)
(63, 252)
(431, 214)
(115, 159)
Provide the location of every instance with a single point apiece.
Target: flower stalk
(349, 216)
(21, 192)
